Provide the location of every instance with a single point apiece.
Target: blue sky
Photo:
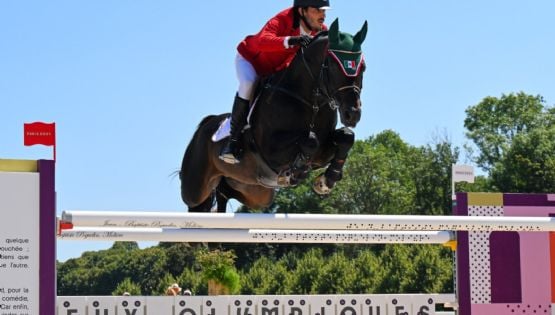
(128, 81)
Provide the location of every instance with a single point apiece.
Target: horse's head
(346, 66)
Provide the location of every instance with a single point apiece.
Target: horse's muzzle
(351, 116)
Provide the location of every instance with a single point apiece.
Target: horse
(291, 129)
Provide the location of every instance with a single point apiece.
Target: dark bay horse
(292, 129)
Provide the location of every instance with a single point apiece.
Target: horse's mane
(320, 34)
(323, 35)
(318, 43)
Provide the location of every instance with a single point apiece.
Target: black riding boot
(230, 150)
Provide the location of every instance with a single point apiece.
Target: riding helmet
(320, 4)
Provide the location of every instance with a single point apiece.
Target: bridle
(329, 82)
(322, 82)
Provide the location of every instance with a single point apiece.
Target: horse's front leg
(343, 140)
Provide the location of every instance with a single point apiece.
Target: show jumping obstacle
(302, 221)
(256, 236)
(505, 253)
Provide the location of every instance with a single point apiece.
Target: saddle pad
(225, 126)
(223, 130)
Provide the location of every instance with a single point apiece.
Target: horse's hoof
(320, 187)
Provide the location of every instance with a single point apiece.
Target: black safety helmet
(320, 4)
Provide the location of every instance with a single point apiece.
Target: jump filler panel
(505, 272)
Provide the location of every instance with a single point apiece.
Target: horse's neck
(304, 70)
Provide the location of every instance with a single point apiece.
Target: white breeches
(247, 77)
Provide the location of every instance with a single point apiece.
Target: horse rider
(267, 52)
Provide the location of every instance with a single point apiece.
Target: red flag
(39, 133)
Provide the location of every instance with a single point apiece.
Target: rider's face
(315, 17)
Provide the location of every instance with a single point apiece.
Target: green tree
(368, 273)
(265, 277)
(433, 269)
(494, 122)
(514, 137)
(529, 163)
(180, 256)
(385, 175)
(337, 275)
(191, 279)
(167, 280)
(127, 286)
(96, 272)
(146, 267)
(306, 273)
(415, 269)
(432, 178)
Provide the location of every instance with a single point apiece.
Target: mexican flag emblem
(350, 64)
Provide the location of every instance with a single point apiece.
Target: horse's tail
(193, 164)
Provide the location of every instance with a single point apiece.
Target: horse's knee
(310, 144)
(344, 138)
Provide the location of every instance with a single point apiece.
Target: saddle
(268, 176)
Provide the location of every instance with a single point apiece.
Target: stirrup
(229, 158)
(229, 151)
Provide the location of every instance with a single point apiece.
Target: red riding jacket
(266, 50)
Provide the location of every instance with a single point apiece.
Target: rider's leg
(230, 149)
(247, 77)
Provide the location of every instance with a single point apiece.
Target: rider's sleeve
(274, 35)
(286, 42)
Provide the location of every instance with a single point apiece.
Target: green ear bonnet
(345, 48)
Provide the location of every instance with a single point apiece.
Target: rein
(322, 83)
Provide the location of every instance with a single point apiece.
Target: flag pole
(453, 195)
(460, 173)
(54, 142)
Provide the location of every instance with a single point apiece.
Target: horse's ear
(361, 35)
(333, 33)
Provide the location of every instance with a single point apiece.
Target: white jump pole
(304, 221)
(255, 236)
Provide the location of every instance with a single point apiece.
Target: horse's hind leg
(221, 202)
(343, 139)
(223, 194)
(205, 206)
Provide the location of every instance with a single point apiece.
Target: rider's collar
(350, 62)
(303, 32)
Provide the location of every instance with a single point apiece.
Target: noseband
(324, 81)
(322, 84)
